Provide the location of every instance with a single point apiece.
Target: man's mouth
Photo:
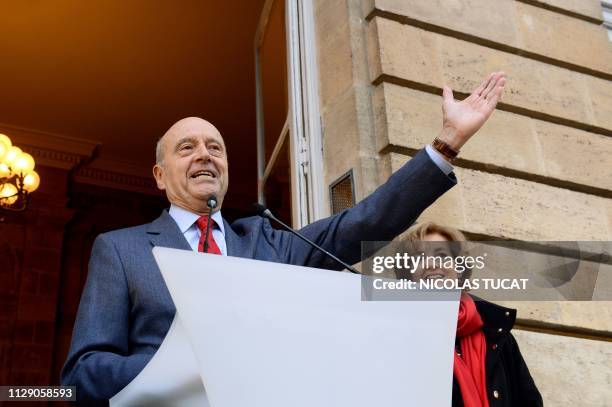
(434, 276)
(203, 174)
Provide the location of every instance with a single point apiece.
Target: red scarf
(469, 369)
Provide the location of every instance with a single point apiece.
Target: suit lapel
(236, 246)
(164, 232)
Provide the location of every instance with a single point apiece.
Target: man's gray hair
(158, 151)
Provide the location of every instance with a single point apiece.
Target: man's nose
(202, 153)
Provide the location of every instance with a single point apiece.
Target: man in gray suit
(126, 309)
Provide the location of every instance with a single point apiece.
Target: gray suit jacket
(126, 309)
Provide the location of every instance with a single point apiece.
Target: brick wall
(44, 254)
(30, 263)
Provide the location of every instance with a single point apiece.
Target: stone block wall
(540, 169)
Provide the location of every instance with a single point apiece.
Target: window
(607, 16)
(289, 135)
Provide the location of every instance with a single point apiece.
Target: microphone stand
(212, 204)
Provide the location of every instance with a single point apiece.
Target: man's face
(193, 166)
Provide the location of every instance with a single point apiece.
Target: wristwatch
(444, 149)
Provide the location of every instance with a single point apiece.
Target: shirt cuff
(437, 158)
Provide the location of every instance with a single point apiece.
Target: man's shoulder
(128, 231)
(248, 225)
(124, 235)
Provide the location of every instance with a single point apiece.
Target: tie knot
(202, 223)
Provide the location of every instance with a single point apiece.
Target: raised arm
(396, 204)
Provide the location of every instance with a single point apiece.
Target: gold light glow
(11, 155)
(3, 148)
(8, 194)
(5, 144)
(31, 182)
(23, 164)
(17, 176)
(5, 171)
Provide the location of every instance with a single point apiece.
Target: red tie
(212, 245)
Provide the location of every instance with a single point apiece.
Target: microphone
(266, 213)
(212, 204)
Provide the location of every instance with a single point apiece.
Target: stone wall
(540, 169)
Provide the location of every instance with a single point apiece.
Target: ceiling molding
(52, 158)
(117, 175)
(70, 153)
(49, 149)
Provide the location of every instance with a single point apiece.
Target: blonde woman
(489, 369)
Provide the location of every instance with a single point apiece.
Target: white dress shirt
(186, 222)
(437, 158)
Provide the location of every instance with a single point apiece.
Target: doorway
(289, 152)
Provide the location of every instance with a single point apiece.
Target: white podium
(254, 333)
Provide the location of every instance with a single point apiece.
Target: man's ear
(158, 173)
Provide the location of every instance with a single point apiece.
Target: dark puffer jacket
(509, 382)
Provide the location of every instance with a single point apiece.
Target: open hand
(462, 119)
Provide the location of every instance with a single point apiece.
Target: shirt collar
(185, 219)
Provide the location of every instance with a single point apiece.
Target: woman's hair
(419, 231)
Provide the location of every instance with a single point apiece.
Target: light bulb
(5, 145)
(6, 141)
(24, 163)
(31, 182)
(8, 190)
(3, 150)
(5, 171)
(11, 155)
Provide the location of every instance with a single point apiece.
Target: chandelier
(17, 176)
